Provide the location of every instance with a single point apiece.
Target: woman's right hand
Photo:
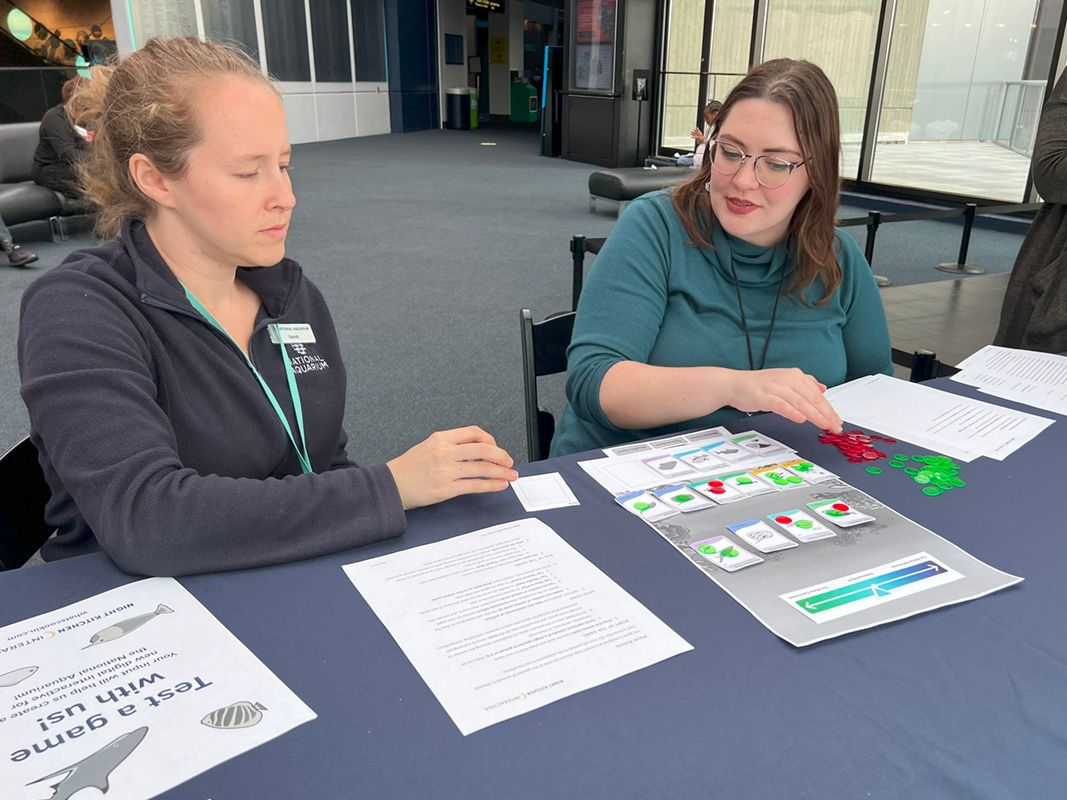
(698, 135)
(789, 393)
(451, 463)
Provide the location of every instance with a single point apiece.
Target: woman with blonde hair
(735, 291)
(184, 380)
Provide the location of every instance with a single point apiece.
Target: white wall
(451, 18)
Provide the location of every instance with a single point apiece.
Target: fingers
(472, 433)
(484, 469)
(814, 409)
(482, 451)
(478, 486)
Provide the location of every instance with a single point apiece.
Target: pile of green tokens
(935, 474)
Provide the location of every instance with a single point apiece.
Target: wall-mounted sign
(496, 6)
(498, 50)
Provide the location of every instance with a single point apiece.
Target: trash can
(474, 109)
(523, 102)
(458, 109)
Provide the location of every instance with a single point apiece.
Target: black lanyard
(744, 321)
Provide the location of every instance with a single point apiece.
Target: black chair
(580, 245)
(23, 494)
(544, 352)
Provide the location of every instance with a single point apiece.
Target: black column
(411, 47)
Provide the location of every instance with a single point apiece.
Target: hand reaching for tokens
(451, 463)
(788, 392)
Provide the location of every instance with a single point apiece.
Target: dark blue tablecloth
(968, 701)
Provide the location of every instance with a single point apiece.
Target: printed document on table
(950, 424)
(1036, 379)
(132, 692)
(508, 619)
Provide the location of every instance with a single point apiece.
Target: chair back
(544, 352)
(580, 245)
(23, 495)
(18, 143)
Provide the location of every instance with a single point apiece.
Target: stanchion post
(874, 219)
(961, 266)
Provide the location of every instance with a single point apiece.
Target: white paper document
(542, 492)
(1023, 376)
(132, 692)
(508, 619)
(959, 427)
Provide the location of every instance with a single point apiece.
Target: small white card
(542, 492)
(717, 490)
(723, 553)
(810, 472)
(645, 505)
(801, 525)
(701, 460)
(778, 477)
(839, 513)
(668, 466)
(683, 498)
(761, 536)
(291, 333)
(746, 483)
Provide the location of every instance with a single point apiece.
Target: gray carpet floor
(426, 246)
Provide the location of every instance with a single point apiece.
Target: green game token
(744, 481)
(707, 549)
(793, 479)
(911, 471)
(874, 470)
(642, 506)
(804, 523)
(896, 464)
(833, 512)
(943, 485)
(921, 478)
(931, 491)
(803, 466)
(958, 482)
(682, 498)
(730, 552)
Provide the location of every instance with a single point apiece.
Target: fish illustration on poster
(95, 769)
(244, 714)
(126, 626)
(16, 676)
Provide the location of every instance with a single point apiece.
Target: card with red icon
(801, 525)
(683, 498)
(839, 513)
(761, 536)
(644, 505)
(723, 553)
(717, 490)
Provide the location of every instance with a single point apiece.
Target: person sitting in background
(696, 158)
(733, 293)
(16, 256)
(60, 146)
(1034, 313)
(184, 380)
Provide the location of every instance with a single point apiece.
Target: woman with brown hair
(734, 293)
(184, 380)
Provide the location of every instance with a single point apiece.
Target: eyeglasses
(771, 171)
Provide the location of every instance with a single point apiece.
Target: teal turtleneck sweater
(653, 298)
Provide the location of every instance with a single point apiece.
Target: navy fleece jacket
(156, 438)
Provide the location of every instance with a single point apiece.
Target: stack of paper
(1036, 379)
(959, 427)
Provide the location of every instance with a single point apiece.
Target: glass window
(231, 21)
(329, 33)
(839, 36)
(961, 102)
(162, 18)
(285, 36)
(368, 23)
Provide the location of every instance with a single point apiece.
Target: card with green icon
(746, 483)
(645, 505)
(802, 526)
(810, 472)
(778, 477)
(683, 498)
(723, 553)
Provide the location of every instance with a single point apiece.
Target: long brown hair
(805, 90)
(150, 108)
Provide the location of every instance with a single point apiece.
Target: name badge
(292, 333)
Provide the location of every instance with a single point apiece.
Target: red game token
(717, 490)
(784, 520)
(714, 484)
(840, 507)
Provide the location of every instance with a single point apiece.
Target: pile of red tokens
(856, 445)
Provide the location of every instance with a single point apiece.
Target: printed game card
(778, 477)
(723, 553)
(701, 460)
(683, 499)
(717, 490)
(839, 512)
(644, 505)
(668, 466)
(801, 525)
(761, 536)
(759, 444)
(729, 452)
(746, 483)
(810, 472)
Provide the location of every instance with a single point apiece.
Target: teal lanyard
(294, 392)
